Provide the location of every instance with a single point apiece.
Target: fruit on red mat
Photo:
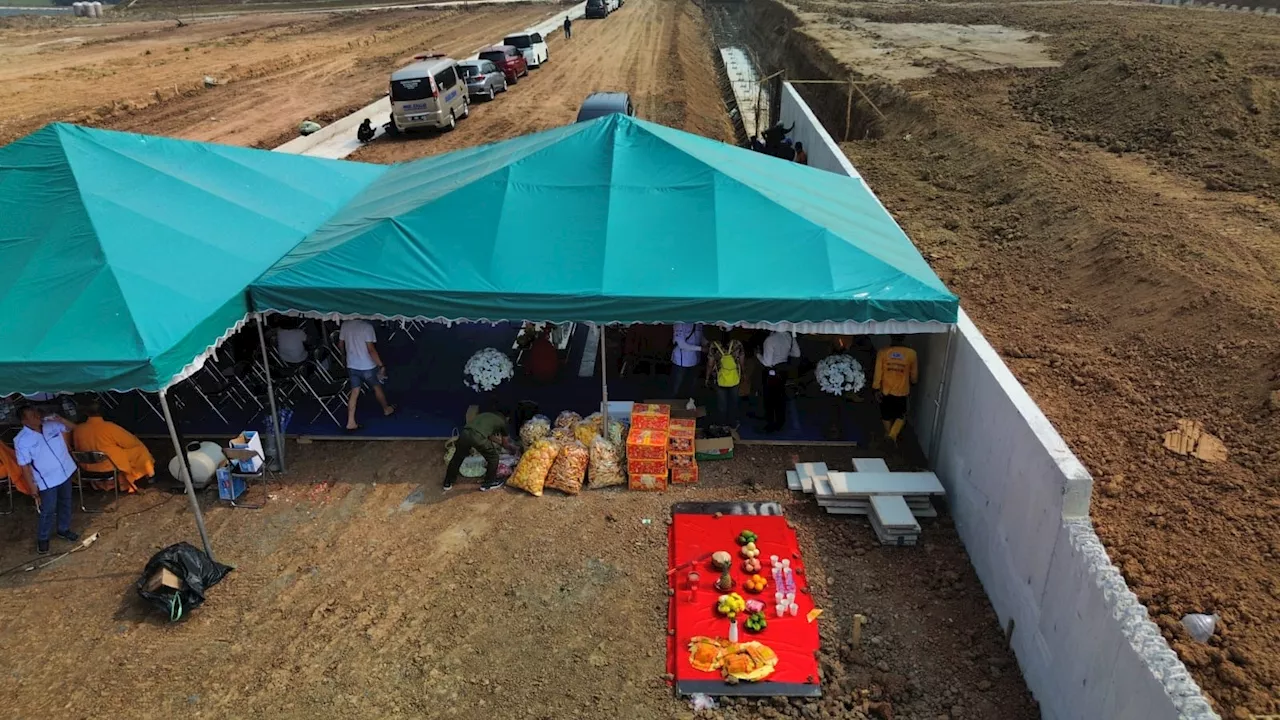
(725, 583)
(751, 565)
(721, 560)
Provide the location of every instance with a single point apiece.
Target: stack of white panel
(891, 500)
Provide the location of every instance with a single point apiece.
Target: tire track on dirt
(653, 49)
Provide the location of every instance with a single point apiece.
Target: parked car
(532, 45)
(605, 103)
(428, 93)
(596, 9)
(483, 78)
(614, 4)
(509, 59)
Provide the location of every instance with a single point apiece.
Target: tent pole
(604, 384)
(271, 394)
(185, 472)
(939, 405)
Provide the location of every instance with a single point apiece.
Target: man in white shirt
(685, 357)
(774, 355)
(291, 343)
(364, 366)
(41, 447)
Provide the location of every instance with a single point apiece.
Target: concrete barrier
(1020, 500)
(337, 140)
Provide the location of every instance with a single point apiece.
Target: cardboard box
(163, 578)
(646, 467)
(681, 460)
(650, 422)
(648, 482)
(651, 408)
(248, 440)
(679, 408)
(646, 445)
(713, 448)
(683, 428)
(680, 445)
(229, 488)
(684, 475)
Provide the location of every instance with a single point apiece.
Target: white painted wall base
(1020, 500)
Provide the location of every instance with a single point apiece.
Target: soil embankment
(1110, 221)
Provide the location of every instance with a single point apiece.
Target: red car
(509, 59)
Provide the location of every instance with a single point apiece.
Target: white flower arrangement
(840, 374)
(487, 369)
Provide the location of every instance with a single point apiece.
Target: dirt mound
(1209, 110)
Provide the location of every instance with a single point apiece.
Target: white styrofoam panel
(903, 483)
(870, 465)
(793, 481)
(892, 513)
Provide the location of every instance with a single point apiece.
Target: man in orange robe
(10, 468)
(131, 457)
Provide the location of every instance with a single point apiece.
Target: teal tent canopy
(126, 257)
(614, 221)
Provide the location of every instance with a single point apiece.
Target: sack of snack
(534, 429)
(569, 468)
(535, 464)
(606, 465)
(568, 419)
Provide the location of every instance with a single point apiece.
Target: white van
(429, 93)
(532, 45)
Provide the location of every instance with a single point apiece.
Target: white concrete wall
(1020, 500)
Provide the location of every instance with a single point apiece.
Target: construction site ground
(1098, 182)
(363, 590)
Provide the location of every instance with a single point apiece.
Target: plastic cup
(795, 609)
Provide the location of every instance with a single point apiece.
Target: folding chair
(236, 455)
(93, 457)
(8, 483)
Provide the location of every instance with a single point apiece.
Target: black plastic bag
(197, 572)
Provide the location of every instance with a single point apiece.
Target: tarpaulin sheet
(693, 537)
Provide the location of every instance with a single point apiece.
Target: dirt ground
(1110, 222)
(362, 590)
(273, 71)
(657, 50)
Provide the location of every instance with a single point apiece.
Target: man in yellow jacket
(896, 372)
(130, 456)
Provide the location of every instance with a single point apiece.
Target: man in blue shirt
(41, 447)
(685, 356)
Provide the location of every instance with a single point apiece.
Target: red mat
(692, 539)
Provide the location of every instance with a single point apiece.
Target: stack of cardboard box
(680, 450)
(647, 446)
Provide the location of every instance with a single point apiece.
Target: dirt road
(657, 50)
(358, 595)
(272, 71)
(1110, 221)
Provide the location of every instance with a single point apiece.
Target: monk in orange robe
(10, 468)
(131, 457)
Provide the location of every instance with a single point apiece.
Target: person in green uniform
(486, 433)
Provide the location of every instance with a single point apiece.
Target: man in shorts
(896, 372)
(364, 366)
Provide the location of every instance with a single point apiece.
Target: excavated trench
(767, 34)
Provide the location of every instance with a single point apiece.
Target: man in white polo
(41, 447)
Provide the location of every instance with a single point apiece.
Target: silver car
(484, 79)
